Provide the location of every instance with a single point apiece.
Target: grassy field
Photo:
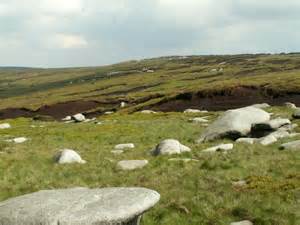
(191, 193)
(33, 88)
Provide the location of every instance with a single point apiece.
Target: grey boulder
(77, 206)
(294, 145)
(170, 147)
(272, 124)
(296, 114)
(234, 123)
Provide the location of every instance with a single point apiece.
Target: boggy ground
(230, 98)
(192, 193)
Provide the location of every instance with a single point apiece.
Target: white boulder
(67, 156)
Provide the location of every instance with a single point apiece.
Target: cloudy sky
(63, 33)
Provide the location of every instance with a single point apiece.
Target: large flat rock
(78, 206)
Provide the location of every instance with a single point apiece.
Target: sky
(73, 33)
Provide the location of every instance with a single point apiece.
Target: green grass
(191, 193)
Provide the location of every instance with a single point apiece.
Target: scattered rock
(122, 104)
(289, 127)
(261, 106)
(296, 114)
(89, 120)
(198, 120)
(183, 160)
(18, 140)
(124, 146)
(68, 156)
(131, 164)
(290, 105)
(221, 147)
(272, 124)
(169, 147)
(109, 113)
(246, 140)
(78, 117)
(244, 222)
(5, 126)
(239, 183)
(107, 206)
(194, 111)
(294, 145)
(270, 139)
(67, 118)
(234, 123)
(117, 152)
(148, 112)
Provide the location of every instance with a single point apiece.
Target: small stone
(117, 152)
(19, 140)
(66, 156)
(148, 112)
(239, 183)
(244, 222)
(195, 111)
(221, 147)
(5, 126)
(122, 104)
(67, 118)
(198, 120)
(124, 146)
(183, 160)
(131, 164)
(109, 113)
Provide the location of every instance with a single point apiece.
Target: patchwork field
(194, 192)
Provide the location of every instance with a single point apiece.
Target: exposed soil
(212, 101)
(57, 111)
(226, 99)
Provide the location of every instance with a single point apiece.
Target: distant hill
(169, 83)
